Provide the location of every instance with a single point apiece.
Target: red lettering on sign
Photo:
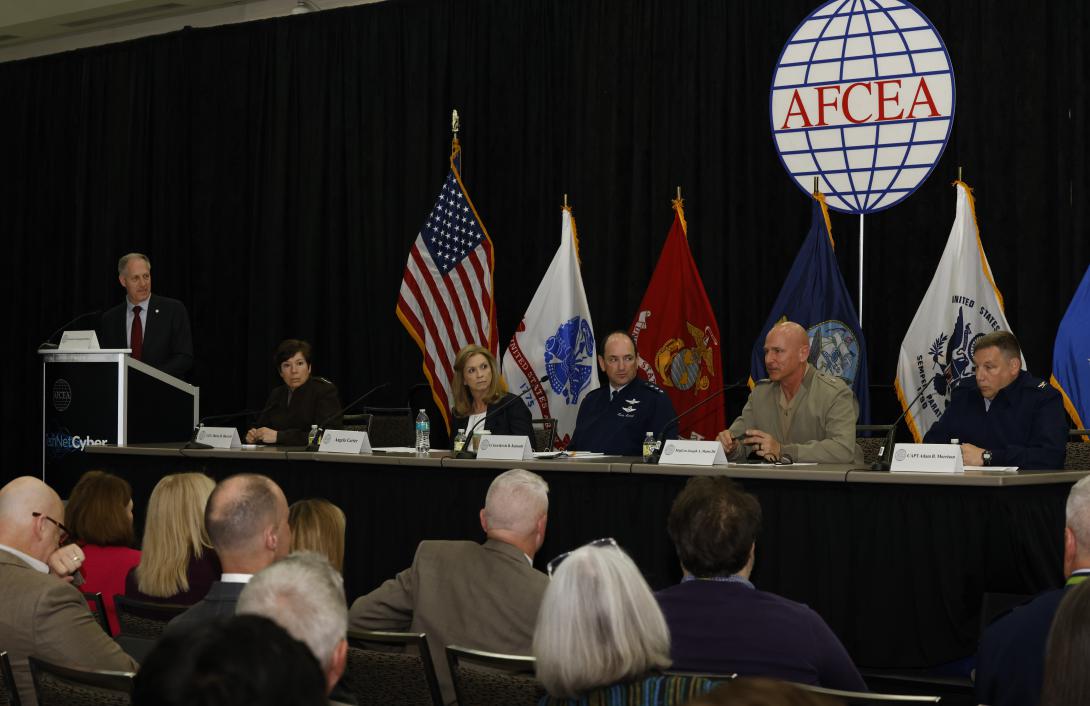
(796, 99)
(926, 100)
(847, 95)
(882, 100)
(823, 104)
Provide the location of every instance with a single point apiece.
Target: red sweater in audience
(104, 571)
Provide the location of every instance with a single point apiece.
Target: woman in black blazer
(479, 389)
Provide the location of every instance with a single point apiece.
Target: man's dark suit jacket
(219, 603)
(1010, 664)
(514, 419)
(725, 628)
(168, 344)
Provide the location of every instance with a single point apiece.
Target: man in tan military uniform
(798, 411)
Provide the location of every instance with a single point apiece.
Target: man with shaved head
(41, 613)
(798, 412)
(482, 596)
(247, 521)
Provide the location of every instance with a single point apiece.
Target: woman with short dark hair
(301, 402)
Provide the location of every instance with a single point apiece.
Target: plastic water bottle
(423, 434)
(312, 436)
(459, 440)
(648, 445)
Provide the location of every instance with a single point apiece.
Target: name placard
(688, 452)
(219, 437)
(338, 441)
(503, 447)
(927, 458)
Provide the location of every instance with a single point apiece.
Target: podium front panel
(80, 408)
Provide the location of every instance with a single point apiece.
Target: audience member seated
(41, 613)
(601, 638)
(247, 520)
(1010, 661)
(761, 691)
(246, 659)
(99, 513)
(301, 402)
(304, 594)
(478, 390)
(178, 564)
(318, 525)
(1066, 681)
(719, 622)
(481, 596)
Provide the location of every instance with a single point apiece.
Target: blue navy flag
(1071, 355)
(815, 297)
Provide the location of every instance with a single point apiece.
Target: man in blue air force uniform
(1008, 417)
(614, 419)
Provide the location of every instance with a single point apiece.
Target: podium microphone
(466, 453)
(312, 445)
(884, 463)
(48, 343)
(662, 434)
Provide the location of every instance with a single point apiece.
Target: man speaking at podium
(155, 328)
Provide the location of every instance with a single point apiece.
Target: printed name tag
(501, 447)
(219, 437)
(927, 458)
(337, 441)
(687, 452)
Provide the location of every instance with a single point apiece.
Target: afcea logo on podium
(863, 99)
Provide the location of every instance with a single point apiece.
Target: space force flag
(556, 339)
(815, 297)
(446, 300)
(677, 337)
(962, 304)
(1071, 355)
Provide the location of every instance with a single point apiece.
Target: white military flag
(962, 304)
(556, 339)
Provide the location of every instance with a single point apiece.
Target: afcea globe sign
(863, 100)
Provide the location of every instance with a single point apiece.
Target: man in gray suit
(41, 613)
(247, 521)
(798, 412)
(482, 596)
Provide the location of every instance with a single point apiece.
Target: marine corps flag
(962, 304)
(677, 337)
(555, 339)
(815, 297)
(1071, 355)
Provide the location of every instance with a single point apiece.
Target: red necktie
(136, 340)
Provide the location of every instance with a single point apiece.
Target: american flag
(446, 292)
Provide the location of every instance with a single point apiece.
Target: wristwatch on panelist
(987, 457)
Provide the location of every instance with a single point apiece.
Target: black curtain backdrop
(277, 172)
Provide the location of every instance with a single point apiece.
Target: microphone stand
(657, 453)
(884, 463)
(313, 444)
(194, 444)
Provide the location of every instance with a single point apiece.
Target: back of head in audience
(759, 691)
(174, 533)
(99, 510)
(29, 511)
(1067, 681)
(516, 510)
(598, 624)
(245, 660)
(1077, 532)
(247, 521)
(304, 594)
(318, 525)
(714, 526)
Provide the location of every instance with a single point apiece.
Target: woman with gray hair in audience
(601, 637)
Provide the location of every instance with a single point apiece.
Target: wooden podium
(98, 397)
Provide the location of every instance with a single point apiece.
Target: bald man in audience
(1011, 658)
(482, 596)
(247, 521)
(797, 412)
(41, 613)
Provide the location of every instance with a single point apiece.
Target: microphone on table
(662, 434)
(48, 343)
(312, 445)
(464, 452)
(884, 463)
(194, 444)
